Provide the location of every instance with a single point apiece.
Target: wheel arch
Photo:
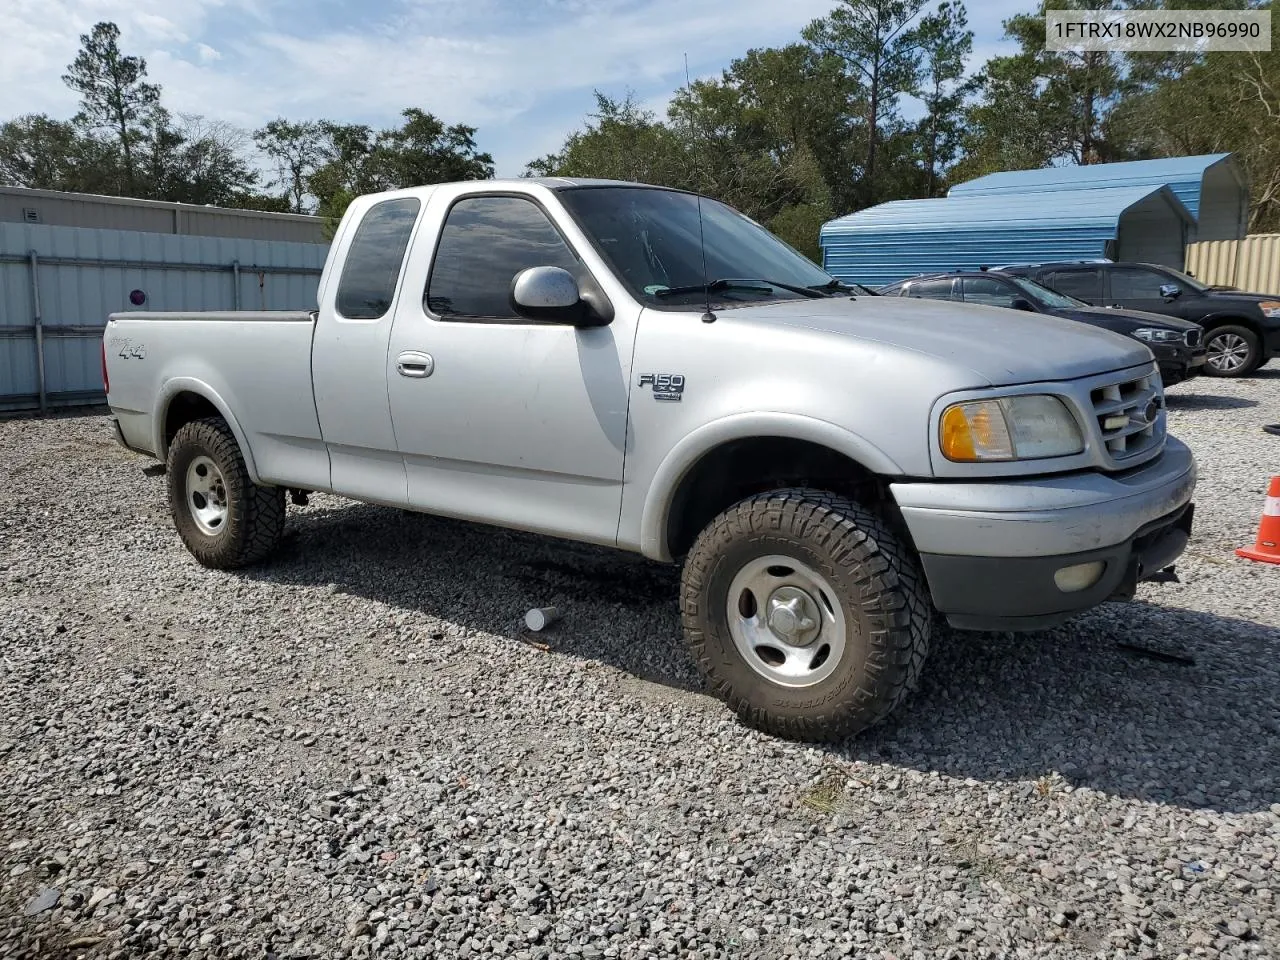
(185, 399)
(676, 503)
(1216, 320)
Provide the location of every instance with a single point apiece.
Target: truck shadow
(1168, 705)
(1206, 401)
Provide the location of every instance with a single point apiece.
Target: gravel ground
(357, 750)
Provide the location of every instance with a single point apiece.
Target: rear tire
(224, 519)
(1232, 351)
(805, 614)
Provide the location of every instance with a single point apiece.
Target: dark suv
(1176, 344)
(1242, 330)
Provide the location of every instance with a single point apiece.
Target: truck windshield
(650, 238)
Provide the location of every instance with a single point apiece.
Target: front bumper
(1178, 362)
(1271, 342)
(990, 550)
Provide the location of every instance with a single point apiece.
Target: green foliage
(800, 224)
(354, 159)
(880, 50)
(114, 94)
(296, 149)
(945, 43)
(38, 151)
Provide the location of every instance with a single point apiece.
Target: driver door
(500, 418)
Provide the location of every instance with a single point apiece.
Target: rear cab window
(375, 258)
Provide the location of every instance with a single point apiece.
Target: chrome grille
(1194, 338)
(1130, 415)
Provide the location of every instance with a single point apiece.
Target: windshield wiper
(744, 283)
(839, 286)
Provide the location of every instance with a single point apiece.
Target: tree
(945, 44)
(1039, 106)
(40, 152)
(422, 150)
(875, 40)
(297, 150)
(621, 141)
(114, 94)
(1217, 103)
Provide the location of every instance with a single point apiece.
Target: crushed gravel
(359, 750)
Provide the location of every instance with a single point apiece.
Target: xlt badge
(666, 386)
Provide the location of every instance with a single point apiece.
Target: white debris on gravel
(355, 750)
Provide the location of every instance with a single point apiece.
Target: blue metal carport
(904, 238)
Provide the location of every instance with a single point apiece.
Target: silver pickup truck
(650, 370)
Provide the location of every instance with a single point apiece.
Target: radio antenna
(707, 317)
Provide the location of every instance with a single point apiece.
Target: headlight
(1270, 308)
(1012, 428)
(1159, 334)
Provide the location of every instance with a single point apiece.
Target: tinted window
(485, 242)
(929, 289)
(1081, 284)
(1131, 283)
(984, 290)
(374, 259)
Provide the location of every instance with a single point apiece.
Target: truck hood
(1003, 347)
(1237, 296)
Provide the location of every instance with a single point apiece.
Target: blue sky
(522, 71)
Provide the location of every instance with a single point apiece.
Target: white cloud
(495, 64)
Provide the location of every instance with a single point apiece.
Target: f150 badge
(666, 386)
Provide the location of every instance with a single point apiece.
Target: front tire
(805, 614)
(223, 517)
(1232, 351)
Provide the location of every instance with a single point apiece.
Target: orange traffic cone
(1267, 549)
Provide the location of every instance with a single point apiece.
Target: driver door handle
(412, 363)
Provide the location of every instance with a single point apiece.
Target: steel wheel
(1227, 352)
(207, 496)
(786, 621)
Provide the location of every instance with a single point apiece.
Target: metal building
(1213, 187)
(1143, 210)
(904, 238)
(59, 283)
(53, 208)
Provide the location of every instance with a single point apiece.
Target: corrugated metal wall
(904, 238)
(1251, 264)
(52, 311)
(57, 209)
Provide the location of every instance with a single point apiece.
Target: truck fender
(179, 385)
(742, 426)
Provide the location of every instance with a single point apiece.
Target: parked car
(1177, 344)
(1242, 330)
(569, 358)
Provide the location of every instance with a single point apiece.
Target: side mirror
(1170, 290)
(1021, 303)
(552, 295)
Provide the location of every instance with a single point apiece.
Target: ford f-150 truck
(650, 370)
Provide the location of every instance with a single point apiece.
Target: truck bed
(254, 365)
